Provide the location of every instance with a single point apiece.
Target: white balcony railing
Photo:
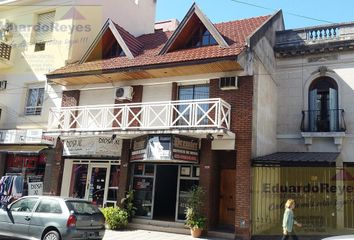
(187, 114)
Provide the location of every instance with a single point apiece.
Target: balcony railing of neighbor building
(331, 120)
(185, 114)
(5, 51)
(313, 39)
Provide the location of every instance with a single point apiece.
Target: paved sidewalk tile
(147, 235)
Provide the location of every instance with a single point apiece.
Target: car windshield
(80, 207)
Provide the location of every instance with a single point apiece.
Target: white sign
(29, 136)
(35, 188)
(99, 146)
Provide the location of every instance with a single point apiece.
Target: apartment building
(38, 37)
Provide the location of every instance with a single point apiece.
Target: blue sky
(333, 11)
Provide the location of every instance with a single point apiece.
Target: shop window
(143, 182)
(112, 196)
(34, 102)
(323, 106)
(78, 181)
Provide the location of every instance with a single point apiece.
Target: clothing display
(10, 187)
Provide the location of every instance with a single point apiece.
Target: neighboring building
(313, 162)
(37, 37)
(186, 107)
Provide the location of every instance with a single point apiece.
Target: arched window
(323, 105)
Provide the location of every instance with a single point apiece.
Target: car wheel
(51, 235)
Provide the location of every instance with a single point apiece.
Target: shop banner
(93, 146)
(35, 185)
(165, 148)
(29, 136)
(185, 148)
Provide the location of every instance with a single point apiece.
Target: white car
(343, 237)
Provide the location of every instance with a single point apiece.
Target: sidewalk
(147, 235)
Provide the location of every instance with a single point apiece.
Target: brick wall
(54, 169)
(241, 101)
(124, 170)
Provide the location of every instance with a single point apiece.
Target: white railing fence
(204, 113)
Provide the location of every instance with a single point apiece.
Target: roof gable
(112, 33)
(193, 19)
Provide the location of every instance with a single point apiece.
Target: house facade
(36, 38)
(313, 160)
(162, 112)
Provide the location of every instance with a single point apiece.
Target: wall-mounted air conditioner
(228, 83)
(124, 93)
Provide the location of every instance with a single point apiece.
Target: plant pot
(196, 232)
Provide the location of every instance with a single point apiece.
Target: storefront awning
(296, 157)
(24, 149)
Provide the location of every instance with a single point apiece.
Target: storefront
(24, 156)
(324, 193)
(92, 169)
(164, 168)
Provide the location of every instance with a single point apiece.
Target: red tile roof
(134, 45)
(234, 32)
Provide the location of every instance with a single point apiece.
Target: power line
(286, 12)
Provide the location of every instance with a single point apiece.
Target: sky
(297, 13)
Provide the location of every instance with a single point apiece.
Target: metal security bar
(184, 114)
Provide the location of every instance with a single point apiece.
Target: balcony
(206, 114)
(5, 55)
(317, 39)
(323, 124)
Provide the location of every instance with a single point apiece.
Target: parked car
(343, 237)
(51, 218)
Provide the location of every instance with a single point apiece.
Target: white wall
(293, 77)
(264, 112)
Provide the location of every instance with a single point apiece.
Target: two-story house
(37, 37)
(313, 163)
(159, 113)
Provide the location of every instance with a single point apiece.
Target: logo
(73, 13)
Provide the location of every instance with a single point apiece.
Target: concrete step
(162, 226)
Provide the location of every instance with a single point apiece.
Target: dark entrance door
(227, 197)
(165, 192)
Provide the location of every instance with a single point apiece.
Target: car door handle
(27, 218)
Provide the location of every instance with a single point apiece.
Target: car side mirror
(5, 207)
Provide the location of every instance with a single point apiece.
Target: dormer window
(202, 37)
(114, 51)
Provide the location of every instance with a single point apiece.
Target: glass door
(97, 184)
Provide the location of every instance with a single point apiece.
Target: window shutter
(44, 28)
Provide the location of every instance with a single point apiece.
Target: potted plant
(128, 204)
(194, 217)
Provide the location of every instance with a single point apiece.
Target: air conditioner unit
(228, 83)
(124, 93)
(3, 85)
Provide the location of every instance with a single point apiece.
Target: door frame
(89, 176)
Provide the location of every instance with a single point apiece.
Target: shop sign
(323, 197)
(96, 146)
(35, 185)
(185, 148)
(29, 136)
(165, 148)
